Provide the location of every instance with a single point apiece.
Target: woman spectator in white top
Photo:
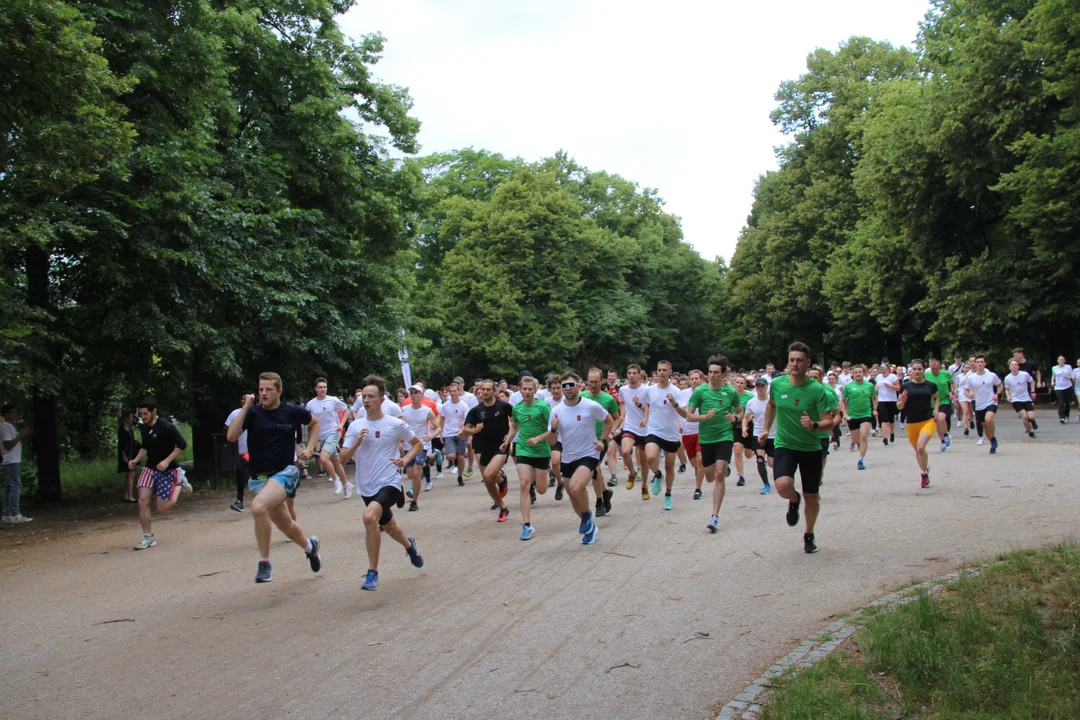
(1063, 388)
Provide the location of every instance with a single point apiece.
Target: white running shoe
(427, 485)
(438, 475)
(181, 479)
(981, 441)
(337, 486)
(349, 487)
(20, 519)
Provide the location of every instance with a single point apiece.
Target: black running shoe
(742, 481)
(532, 493)
(1034, 425)
(697, 494)
(600, 511)
(808, 543)
(608, 494)
(793, 511)
(558, 492)
(265, 573)
(886, 441)
(413, 507)
(1031, 435)
(494, 506)
(682, 468)
(460, 481)
(313, 556)
(727, 471)
(892, 438)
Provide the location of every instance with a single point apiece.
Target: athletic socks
(307, 548)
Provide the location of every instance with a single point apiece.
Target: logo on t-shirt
(377, 435)
(796, 401)
(579, 417)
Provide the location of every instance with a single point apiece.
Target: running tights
(762, 470)
(1064, 401)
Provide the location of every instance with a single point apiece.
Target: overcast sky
(675, 96)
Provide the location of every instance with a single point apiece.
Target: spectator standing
(12, 439)
(125, 451)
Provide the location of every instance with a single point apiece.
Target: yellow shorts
(926, 427)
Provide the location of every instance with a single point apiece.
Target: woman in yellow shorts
(920, 399)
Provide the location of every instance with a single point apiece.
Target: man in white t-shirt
(12, 464)
(689, 430)
(662, 416)
(240, 466)
(632, 438)
(472, 401)
(984, 388)
(1019, 390)
(844, 377)
(424, 423)
(329, 411)
(888, 384)
(455, 447)
(374, 440)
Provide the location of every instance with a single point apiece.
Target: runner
(554, 399)
(984, 388)
(530, 419)
(662, 413)
(743, 446)
(488, 424)
(454, 411)
(472, 402)
(690, 430)
(374, 440)
(1063, 388)
(240, 464)
(834, 385)
(716, 407)
(573, 424)
(271, 426)
(162, 443)
(1019, 390)
(825, 436)
(755, 411)
(859, 405)
(800, 409)
(887, 387)
(943, 379)
(920, 398)
(425, 425)
(595, 393)
(632, 440)
(966, 415)
(327, 409)
(1028, 366)
(613, 452)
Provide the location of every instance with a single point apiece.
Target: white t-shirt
(454, 417)
(433, 396)
(1062, 376)
(577, 428)
(954, 369)
(983, 388)
(886, 394)
(1018, 387)
(389, 407)
(634, 414)
(688, 428)
(663, 417)
(326, 412)
(543, 394)
(756, 408)
(374, 471)
(960, 378)
(515, 398)
(418, 421)
(552, 402)
(7, 433)
(241, 444)
(470, 399)
(843, 379)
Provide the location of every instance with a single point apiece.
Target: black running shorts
(668, 446)
(387, 497)
(768, 447)
(639, 440)
(808, 463)
(886, 411)
(825, 446)
(567, 469)
(557, 447)
(712, 452)
(487, 454)
(946, 409)
(854, 424)
(1026, 405)
(540, 463)
(980, 415)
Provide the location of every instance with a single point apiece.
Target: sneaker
(1061, 420)
(657, 479)
(502, 487)
(697, 494)
(1034, 425)
(238, 506)
(468, 472)
(6, 519)
(532, 493)
(409, 493)
(1031, 435)
(185, 486)
(608, 494)
(948, 440)
(349, 487)
(967, 433)
(613, 481)
(371, 580)
(668, 502)
(851, 448)
(742, 481)
(630, 481)
(971, 425)
(413, 507)
(944, 447)
(413, 553)
(861, 465)
(494, 506)
(586, 523)
(892, 438)
(427, 485)
(460, 482)
(147, 541)
(437, 475)
(808, 544)
(590, 536)
(924, 480)
(886, 441)
(527, 531)
(265, 573)
(714, 523)
(727, 471)
(559, 492)
(600, 511)
(644, 491)
(981, 441)
(313, 556)
(793, 511)
(503, 514)
(766, 489)
(993, 446)
(338, 487)
(682, 468)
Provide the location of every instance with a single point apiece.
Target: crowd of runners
(570, 433)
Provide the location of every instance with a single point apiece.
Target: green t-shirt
(858, 398)
(724, 401)
(834, 403)
(532, 421)
(791, 402)
(943, 379)
(607, 402)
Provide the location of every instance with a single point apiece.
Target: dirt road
(658, 619)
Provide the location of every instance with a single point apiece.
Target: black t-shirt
(920, 401)
(272, 436)
(159, 440)
(496, 419)
(1030, 368)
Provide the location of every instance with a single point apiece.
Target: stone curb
(747, 704)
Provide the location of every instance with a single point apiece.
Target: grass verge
(1004, 644)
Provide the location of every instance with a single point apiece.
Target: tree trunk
(209, 422)
(45, 441)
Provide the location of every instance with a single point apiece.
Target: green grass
(99, 476)
(1005, 644)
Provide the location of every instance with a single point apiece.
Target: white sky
(675, 96)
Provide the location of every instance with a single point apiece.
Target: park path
(658, 619)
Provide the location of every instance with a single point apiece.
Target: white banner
(403, 356)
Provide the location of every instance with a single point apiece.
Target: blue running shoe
(943, 447)
(527, 531)
(862, 465)
(656, 484)
(590, 537)
(714, 523)
(586, 521)
(371, 581)
(667, 502)
(265, 573)
(414, 554)
(993, 446)
(767, 489)
(948, 440)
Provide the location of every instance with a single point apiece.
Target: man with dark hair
(662, 413)
(632, 438)
(594, 391)
(983, 387)
(1027, 366)
(328, 410)
(240, 465)
(162, 443)
(715, 406)
(800, 409)
(489, 425)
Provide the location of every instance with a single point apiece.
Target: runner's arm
(236, 427)
(770, 413)
(609, 425)
(415, 446)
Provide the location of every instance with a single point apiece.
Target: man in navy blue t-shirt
(271, 427)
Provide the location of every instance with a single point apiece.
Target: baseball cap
(761, 381)
(417, 387)
(459, 379)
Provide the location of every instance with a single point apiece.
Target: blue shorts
(420, 459)
(288, 478)
(162, 482)
(329, 444)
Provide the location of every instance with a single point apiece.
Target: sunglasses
(569, 385)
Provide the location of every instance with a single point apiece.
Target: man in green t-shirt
(529, 419)
(714, 406)
(594, 392)
(816, 374)
(859, 405)
(801, 409)
(944, 381)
